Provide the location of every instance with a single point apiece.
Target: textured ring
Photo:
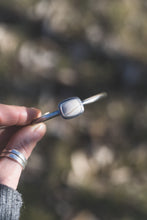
(16, 156)
(19, 154)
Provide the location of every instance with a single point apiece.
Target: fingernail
(36, 111)
(32, 113)
(37, 127)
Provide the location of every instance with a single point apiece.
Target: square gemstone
(71, 108)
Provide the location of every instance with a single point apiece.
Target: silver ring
(19, 154)
(16, 156)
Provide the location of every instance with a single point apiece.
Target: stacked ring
(16, 156)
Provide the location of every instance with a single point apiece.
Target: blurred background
(92, 167)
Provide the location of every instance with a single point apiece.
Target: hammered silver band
(16, 156)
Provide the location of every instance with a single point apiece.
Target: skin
(15, 133)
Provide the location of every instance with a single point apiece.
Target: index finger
(17, 115)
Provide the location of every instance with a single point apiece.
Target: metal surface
(94, 98)
(46, 117)
(70, 108)
(16, 156)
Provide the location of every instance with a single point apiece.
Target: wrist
(10, 172)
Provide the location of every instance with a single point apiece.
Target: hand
(15, 133)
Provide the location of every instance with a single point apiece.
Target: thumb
(25, 139)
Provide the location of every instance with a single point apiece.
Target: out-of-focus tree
(92, 167)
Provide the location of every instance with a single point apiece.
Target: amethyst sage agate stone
(71, 107)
